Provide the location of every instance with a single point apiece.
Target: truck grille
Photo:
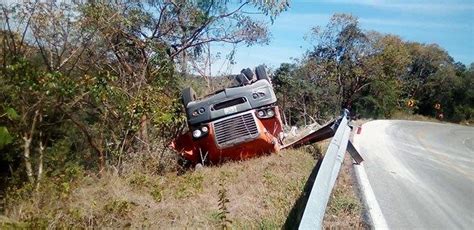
(235, 129)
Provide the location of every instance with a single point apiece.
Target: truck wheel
(187, 95)
(249, 74)
(261, 73)
(242, 79)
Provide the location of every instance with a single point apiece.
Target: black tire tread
(249, 74)
(188, 95)
(242, 79)
(262, 73)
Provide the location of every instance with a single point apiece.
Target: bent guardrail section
(319, 196)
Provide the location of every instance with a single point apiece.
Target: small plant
(267, 224)
(119, 207)
(315, 150)
(190, 184)
(343, 204)
(156, 193)
(225, 222)
(138, 180)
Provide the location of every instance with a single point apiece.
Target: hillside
(259, 193)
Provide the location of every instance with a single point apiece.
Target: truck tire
(262, 73)
(249, 74)
(242, 79)
(187, 95)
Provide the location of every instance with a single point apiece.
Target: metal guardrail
(326, 177)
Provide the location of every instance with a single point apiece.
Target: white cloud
(421, 7)
(411, 23)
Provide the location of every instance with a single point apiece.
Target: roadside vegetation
(375, 75)
(90, 100)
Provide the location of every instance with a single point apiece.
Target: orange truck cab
(232, 124)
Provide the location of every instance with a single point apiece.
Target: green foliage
(157, 194)
(5, 137)
(11, 114)
(96, 81)
(341, 203)
(380, 100)
(373, 75)
(119, 207)
(190, 185)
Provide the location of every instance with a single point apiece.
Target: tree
(430, 79)
(101, 77)
(284, 84)
(341, 49)
(385, 67)
(374, 75)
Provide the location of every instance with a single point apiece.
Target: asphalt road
(422, 173)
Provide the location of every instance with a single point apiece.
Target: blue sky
(449, 24)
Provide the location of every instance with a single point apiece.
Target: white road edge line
(368, 196)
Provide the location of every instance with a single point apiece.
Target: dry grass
(416, 117)
(345, 208)
(254, 194)
(260, 194)
(400, 115)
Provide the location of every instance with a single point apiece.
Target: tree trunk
(100, 150)
(284, 117)
(40, 164)
(27, 138)
(26, 156)
(304, 111)
(284, 111)
(289, 118)
(144, 132)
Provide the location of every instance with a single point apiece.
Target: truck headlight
(270, 113)
(197, 133)
(265, 113)
(201, 131)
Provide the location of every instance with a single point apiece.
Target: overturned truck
(237, 123)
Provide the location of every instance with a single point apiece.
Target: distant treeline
(374, 75)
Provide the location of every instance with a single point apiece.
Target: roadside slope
(257, 193)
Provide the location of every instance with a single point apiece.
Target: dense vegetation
(374, 75)
(87, 87)
(93, 88)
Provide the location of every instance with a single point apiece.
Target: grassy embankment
(256, 194)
